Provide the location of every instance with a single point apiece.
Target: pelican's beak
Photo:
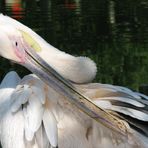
(45, 72)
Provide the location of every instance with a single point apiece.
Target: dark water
(113, 33)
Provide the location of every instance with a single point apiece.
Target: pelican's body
(34, 115)
(37, 114)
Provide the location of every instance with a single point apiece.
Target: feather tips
(122, 102)
(50, 125)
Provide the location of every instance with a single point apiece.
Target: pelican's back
(132, 107)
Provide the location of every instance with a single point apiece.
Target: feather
(38, 90)
(124, 110)
(41, 138)
(12, 130)
(35, 111)
(28, 132)
(10, 80)
(124, 100)
(6, 90)
(11, 125)
(33, 116)
(142, 95)
(36, 86)
(103, 103)
(105, 90)
(50, 125)
(131, 112)
(20, 96)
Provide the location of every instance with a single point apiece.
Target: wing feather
(50, 125)
(123, 102)
(11, 124)
(20, 96)
(33, 116)
(41, 138)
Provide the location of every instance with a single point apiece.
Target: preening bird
(54, 108)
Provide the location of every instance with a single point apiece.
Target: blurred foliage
(113, 33)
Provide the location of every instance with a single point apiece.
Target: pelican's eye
(16, 44)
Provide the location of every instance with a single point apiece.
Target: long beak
(48, 75)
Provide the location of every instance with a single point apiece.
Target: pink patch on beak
(21, 55)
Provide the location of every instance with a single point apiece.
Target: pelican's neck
(76, 69)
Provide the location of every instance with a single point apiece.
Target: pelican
(58, 106)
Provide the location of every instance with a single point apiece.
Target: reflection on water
(113, 33)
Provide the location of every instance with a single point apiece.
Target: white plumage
(35, 115)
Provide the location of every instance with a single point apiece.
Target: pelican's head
(15, 40)
(18, 45)
(11, 45)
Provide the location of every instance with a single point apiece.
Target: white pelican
(39, 115)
